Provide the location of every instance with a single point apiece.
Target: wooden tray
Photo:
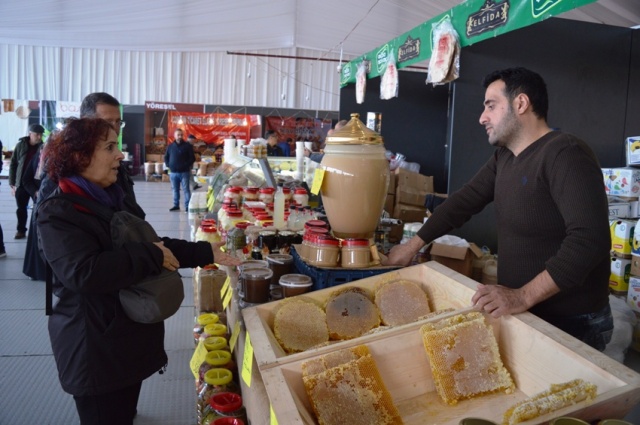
(536, 353)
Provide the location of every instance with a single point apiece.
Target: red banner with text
(212, 128)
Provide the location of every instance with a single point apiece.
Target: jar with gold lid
(356, 172)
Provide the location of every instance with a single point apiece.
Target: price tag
(272, 415)
(234, 336)
(198, 358)
(227, 299)
(224, 288)
(247, 361)
(318, 176)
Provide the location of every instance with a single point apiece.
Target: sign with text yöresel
(474, 21)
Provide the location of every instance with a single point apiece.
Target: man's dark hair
(521, 80)
(91, 102)
(269, 133)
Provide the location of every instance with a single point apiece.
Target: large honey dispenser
(356, 176)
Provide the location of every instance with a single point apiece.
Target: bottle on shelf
(278, 209)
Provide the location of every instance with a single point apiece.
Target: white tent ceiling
(240, 25)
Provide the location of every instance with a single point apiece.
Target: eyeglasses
(117, 123)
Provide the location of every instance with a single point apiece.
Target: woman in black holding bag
(101, 354)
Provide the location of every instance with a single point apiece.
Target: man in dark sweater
(551, 213)
(179, 159)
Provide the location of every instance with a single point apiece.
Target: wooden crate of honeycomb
(535, 354)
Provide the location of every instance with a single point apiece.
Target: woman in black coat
(101, 354)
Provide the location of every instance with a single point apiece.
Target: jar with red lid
(266, 194)
(288, 194)
(216, 380)
(301, 197)
(233, 193)
(355, 253)
(250, 194)
(325, 252)
(226, 408)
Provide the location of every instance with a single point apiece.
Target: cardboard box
(622, 236)
(632, 148)
(389, 203)
(409, 196)
(619, 277)
(409, 213)
(165, 178)
(622, 181)
(618, 208)
(457, 258)
(633, 294)
(536, 353)
(393, 182)
(415, 181)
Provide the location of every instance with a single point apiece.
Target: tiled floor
(29, 389)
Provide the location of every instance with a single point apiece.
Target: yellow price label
(227, 299)
(318, 176)
(247, 361)
(224, 288)
(198, 358)
(234, 336)
(272, 416)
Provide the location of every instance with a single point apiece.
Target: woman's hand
(222, 258)
(169, 261)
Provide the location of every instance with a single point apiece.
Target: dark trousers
(1, 240)
(22, 200)
(116, 408)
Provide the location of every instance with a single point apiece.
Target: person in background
(3, 251)
(551, 214)
(179, 159)
(24, 151)
(272, 144)
(192, 141)
(102, 356)
(33, 266)
(317, 156)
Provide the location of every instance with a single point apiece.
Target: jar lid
(235, 189)
(218, 357)
(226, 402)
(215, 329)
(209, 229)
(326, 240)
(234, 213)
(355, 242)
(243, 225)
(295, 279)
(268, 190)
(258, 273)
(267, 233)
(215, 343)
(300, 191)
(207, 318)
(280, 258)
(318, 230)
(251, 189)
(248, 264)
(228, 421)
(268, 223)
(286, 233)
(286, 190)
(315, 223)
(218, 376)
(354, 133)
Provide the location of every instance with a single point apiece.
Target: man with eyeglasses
(103, 105)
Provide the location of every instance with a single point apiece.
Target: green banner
(474, 20)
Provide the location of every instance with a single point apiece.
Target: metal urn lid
(354, 133)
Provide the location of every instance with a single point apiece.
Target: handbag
(154, 298)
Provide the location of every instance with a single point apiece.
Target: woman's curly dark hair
(69, 151)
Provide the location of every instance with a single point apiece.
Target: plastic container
(215, 343)
(278, 209)
(266, 194)
(256, 285)
(250, 194)
(214, 359)
(280, 264)
(355, 253)
(268, 241)
(228, 406)
(295, 284)
(216, 380)
(202, 321)
(301, 197)
(325, 252)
